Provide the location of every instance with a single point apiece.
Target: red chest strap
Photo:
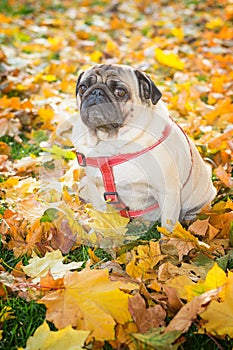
(106, 164)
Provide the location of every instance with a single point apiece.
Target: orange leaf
(27, 105)
(48, 282)
(222, 107)
(221, 173)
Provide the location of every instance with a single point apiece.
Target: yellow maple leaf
(49, 77)
(67, 338)
(219, 315)
(107, 227)
(178, 33)
(96, 56)
(46, 116)
(169, 59)
(214, 23)
(89, 301)
(10, 182)
(142, 263)
(112, 48)
(215, 278)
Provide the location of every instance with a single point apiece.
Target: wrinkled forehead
(104, 73)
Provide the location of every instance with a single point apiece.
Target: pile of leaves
(138, 292)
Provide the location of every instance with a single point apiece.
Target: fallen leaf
(66, 338)
(219, 315)
(144, 259)
(199, 227)
(110, 222)
(146, 318)
(157, 339)
(215, 278)
(53, 262)
(189, 312)
(48, 282)
(225, 177)
(169, 59)
(89, 301)
(174, 303)
(6, 313)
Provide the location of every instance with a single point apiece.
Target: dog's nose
(97, 92)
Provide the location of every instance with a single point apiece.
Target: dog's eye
(119, 92)
(82, 89)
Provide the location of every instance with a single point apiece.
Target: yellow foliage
(215, 278)
(96, 56)
(178, 33)
(219, 315)
(215, 23)
(169, 59)
(66, 338)
(89, 301)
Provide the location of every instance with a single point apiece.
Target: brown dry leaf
(174, 303)
(189, 312)
(89, 301)
(212, 232)
(203, 228)
(183, 247)
(182, 239)
(168, 271)
(146, 318)
(23, 237)
(199, 227)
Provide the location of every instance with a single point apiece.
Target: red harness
(106, 164)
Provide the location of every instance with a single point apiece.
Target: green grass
(16, 8)
(20, 150)
(196, 341)
(28, 316)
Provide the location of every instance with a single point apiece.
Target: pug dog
(137, 159)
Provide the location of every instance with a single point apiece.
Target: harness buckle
(112, 197)
(81, 159)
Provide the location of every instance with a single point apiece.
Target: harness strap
(106, 164)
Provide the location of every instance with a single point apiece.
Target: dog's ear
(78, 81)
(147, 88)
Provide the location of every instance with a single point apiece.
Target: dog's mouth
(109, 127)
(102, 116)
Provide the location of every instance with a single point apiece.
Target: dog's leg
(170, 206)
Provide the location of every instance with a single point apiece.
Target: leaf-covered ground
(58, 289)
